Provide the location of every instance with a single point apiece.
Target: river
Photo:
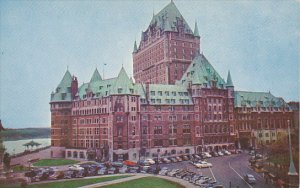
(14, 147)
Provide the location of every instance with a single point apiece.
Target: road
(227, 170)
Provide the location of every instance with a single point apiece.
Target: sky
(258, 41)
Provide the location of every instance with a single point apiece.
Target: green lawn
(147, 182)
(67, 183)
(54, 162)
(20, 168)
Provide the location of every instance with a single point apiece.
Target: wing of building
(178, 105)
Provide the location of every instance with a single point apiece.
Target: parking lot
(226, 170)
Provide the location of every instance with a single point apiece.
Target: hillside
(26, 133)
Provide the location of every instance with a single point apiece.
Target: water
(14, 147)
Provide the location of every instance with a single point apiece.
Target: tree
(6, 161)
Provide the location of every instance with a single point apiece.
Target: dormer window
(63, 96)
(57, 89)
(100, 87)
(131, 91)
(152, 93)
(120, 90)
(108, 86)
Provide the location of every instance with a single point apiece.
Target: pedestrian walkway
(137, 176)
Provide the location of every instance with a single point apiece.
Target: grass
(68, 183)
(20, 168)
(54, 162)
(147, 182)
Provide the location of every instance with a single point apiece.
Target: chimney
(74, 87)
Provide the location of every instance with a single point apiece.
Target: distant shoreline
(25, 133)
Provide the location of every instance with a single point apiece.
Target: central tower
(166, 49)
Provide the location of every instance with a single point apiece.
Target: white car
(220, 153)
(227, 152)
(207, 154)
(151, 161)
(203, 164)
(75, 167)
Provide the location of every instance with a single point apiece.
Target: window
(158, 130)
(158, 142)
(152, 93)
(133, 131)
(173, 142)
(119, 118)
(172, 129)
(159, 93)
(198, 131)
(119, 132)
(267, 134)
(186, 129)
(144, 130)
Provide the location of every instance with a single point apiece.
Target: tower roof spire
(135, 47)
(229, 80)
(196, 32)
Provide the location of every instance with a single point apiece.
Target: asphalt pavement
(228, 171)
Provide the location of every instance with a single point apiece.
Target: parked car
(173, 172)
(163, 171)
(207, 155)
(68, 174)
(103, 171)
(134, 169)
(220, 153)
(214, 154)
(150, 161)
(226, 152)
(178, 159)
(202, 164)
(79, 174)
(56, 175)
(75, 167)
(117, 164)
(181, 174)
(185, 158)
(173, 159)
(197, 157)
(113, 170)
(123, 169)
(166, 160)
(250, 178)
(143, 163)
(145, 169)
(202, 180)
(195, 178)
(188, 176)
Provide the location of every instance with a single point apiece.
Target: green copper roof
(134, 47)
(63, 90)
(196, 32)
(118, 85)
(202, 72)
(122, 84)
(96, 76)
(229, 80)
(167, 18)
(254, 99)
